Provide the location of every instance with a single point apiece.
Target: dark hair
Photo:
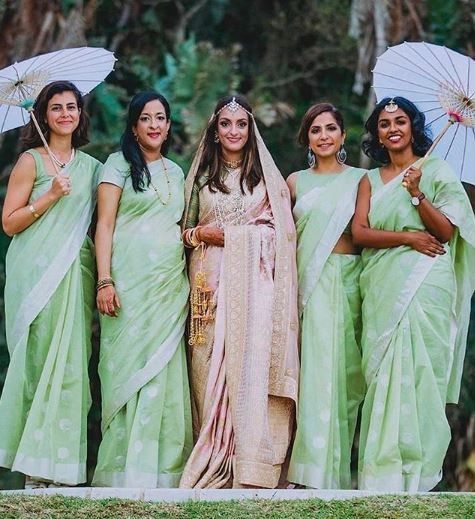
(132, 153)
(314, 111)
(421, 137)
(211, 160)
(30, 137)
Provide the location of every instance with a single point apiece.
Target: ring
(406, 174)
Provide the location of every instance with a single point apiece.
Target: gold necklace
(232, 164)
(168, 185)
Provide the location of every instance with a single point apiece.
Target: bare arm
(17, 214)
(292, 185)
(434, 221)
(365, 236)
(108, 197)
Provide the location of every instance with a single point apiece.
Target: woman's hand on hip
(211, 236)
(108, 302)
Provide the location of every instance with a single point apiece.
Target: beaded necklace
(165, 171)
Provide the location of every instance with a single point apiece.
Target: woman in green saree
(142, 294)
(49, 295)
(329, 265)
(415, 221)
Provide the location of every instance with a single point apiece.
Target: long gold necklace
(165, 171)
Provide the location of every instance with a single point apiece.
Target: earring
(311, 159)
(216, 137)
(412, 139)
(381, 143)
(341, 155)
(136, 137)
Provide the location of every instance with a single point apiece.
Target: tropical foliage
(283, 55)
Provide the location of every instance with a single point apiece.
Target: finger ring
(406, 174)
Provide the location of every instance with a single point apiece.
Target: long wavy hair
(30, 137)
(421, 137)
(139, 172)
(212, 159)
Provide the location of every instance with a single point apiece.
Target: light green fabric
(331, 381)
(415, 318)
(146, 418)
(49, 296)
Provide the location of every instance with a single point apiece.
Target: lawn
(413, 507)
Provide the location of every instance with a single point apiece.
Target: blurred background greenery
(282, 54)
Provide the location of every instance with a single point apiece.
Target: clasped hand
(211, 236)
(411, 180)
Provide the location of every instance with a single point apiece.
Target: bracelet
(194, 240)
(104, 282)
(32, 209)
(104, 285)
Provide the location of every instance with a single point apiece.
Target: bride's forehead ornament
(391, 107)
(233, 106)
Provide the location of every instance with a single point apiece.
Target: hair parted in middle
(212, 160)
(30, 137)
(309, 116)
(422, 140)
(139, 171)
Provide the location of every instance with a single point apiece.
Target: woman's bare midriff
(345, 245)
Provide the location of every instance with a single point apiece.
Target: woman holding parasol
(49, 294)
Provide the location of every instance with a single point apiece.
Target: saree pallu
(242, 427)
(49, 297)
(415, 320)
(146, 413)
(331, 381)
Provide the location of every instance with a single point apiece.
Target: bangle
(194, 240)
(32, 209)
(104, 282)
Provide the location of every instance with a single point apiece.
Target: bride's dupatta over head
(256, 452)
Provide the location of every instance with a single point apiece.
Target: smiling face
(325, 136)
(233, 132)
(152, 126)
(62, 113)
(394, 130)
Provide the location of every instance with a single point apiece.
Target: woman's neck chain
(167, 178)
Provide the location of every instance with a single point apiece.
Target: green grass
(447, 507)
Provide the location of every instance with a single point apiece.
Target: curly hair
(30, 137)
(212, 159)
(139, 171)
(421, 136)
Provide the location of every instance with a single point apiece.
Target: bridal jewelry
(164, 202)
(229, 208)
(232, 164)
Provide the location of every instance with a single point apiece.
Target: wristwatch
(416, 200)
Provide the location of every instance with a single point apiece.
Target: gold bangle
(32, 209)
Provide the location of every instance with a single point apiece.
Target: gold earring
(216, 137)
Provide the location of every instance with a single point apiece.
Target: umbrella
(441, 83)
(21, 83)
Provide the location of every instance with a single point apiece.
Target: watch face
(415, 200)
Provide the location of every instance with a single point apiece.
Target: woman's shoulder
(85, 157)
(117, 161)
(173, 166)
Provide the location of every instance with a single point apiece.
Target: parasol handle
(42, 137)
(420, 162)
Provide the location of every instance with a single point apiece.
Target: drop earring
(216, 137)
(311, 158)
(341, 155)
